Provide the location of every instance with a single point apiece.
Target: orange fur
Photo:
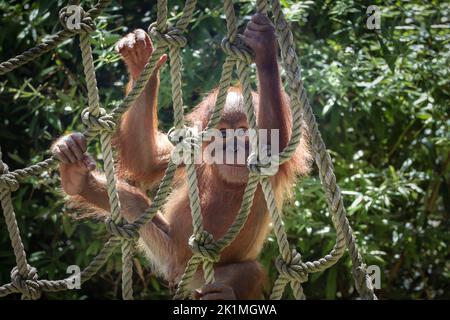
(143, 157)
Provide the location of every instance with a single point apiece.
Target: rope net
(101, 124)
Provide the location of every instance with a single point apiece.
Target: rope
(24, 278)
(205, 249)
(13, 229)
(61, 285)
(106, 148)
(323, 159)
(52, 42)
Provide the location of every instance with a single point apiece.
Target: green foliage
(380, 97)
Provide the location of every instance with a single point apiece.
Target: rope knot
(237, 49)
(28, 285)
(363, 282)
(103, 122)
(173, 37)
(7, 180)
(282, 26)
(187, 144)
(202, 244)
(75, 19)
(126, 231)
(292, 270)
(263, 163)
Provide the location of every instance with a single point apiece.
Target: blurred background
(381, 98)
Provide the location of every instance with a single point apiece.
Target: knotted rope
(50, 43)
(206, 250)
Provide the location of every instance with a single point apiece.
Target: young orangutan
(144, 153)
